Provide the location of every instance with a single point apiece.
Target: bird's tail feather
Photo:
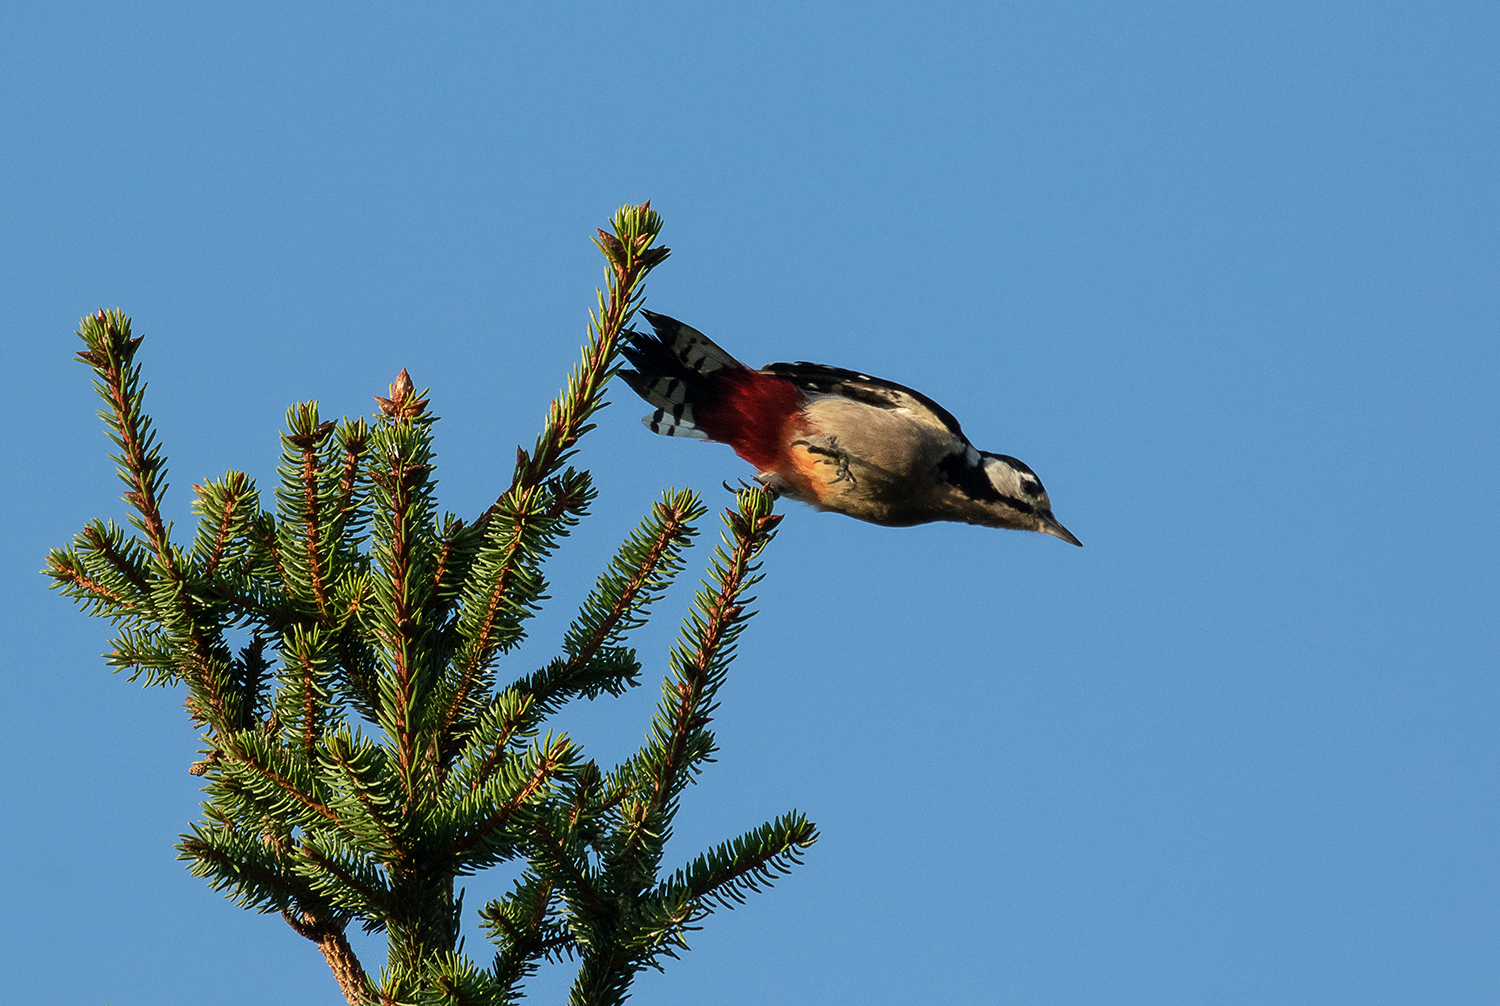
(673, 368)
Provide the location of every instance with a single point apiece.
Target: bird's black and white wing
(817, 379)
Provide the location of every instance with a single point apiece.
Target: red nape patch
(757, 415)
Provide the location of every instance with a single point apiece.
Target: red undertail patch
(758, 415)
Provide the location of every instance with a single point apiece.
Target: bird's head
(1017, 499)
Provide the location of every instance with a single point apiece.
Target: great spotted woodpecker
(836, 439)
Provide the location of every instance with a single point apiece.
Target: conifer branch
(257, 880)
(355, 437)
(641, 570)
(224, 501)
(373, 897)
(241, 753)
(308, 442)
(200, 664)
(698, 662)
(402, 481)
(267, 540)
(657, 543)
(339, 753)
(101, 541)
(725, 874)
(520, 925)
(549, 687)
(252, 665)
(65, 569)
(111, 353)
(231, 861)
(451, 534)
(579, 886)
(104, 569)
(504, 719)
(481, 645)
(310, 704)
(630, 253)
(244, 605)
(555, 757)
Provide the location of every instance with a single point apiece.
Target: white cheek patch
(1002, 478)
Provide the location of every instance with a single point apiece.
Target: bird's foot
(835, 455)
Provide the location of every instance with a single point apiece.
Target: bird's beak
(1056, 530)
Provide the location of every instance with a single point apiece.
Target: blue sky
(1224, 275)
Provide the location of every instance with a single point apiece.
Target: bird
(836, 439)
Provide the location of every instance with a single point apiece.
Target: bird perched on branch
(837, 439)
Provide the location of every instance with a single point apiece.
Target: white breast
(892, 458)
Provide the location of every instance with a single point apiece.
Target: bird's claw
(837, 455)
(759, 486)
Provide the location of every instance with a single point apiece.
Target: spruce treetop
(362, 752)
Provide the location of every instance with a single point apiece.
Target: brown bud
(611, 247)
(403, 403)
(403, 387)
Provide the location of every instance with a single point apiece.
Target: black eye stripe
(1016, 504)
(976, 485)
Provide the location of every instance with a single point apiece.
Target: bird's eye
(1032, 489)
